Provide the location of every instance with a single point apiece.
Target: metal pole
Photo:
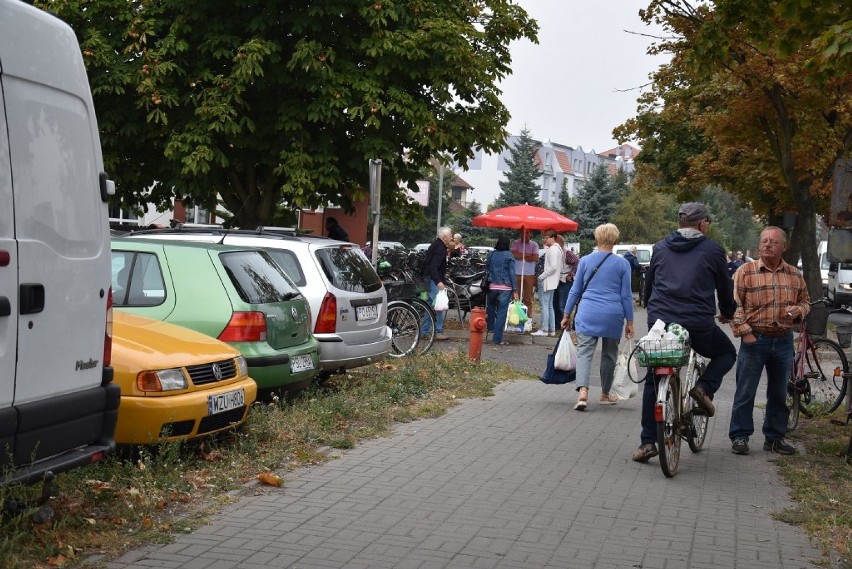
(375, 205)
(440, 194)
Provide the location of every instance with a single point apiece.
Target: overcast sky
(568, 87)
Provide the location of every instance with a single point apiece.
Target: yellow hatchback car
(176, 384)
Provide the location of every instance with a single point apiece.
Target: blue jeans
(559, 299)
(497, 306)
(713, 344)
(585, 352)
(545, 299)
(775, 354)
(439, 316)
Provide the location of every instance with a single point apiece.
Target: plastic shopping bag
(512, 318)
(622, 385)
(442, 301)
(522, 312)
(566, 354)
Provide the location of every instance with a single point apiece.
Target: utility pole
(440, 193)
(375, 205)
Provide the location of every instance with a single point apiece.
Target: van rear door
(8, 271)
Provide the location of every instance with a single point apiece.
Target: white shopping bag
(566, 354)
(622, 385)
(442, 301)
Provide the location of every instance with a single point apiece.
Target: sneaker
(551, 333)
(740, 446)
(703, 400)
(608, 398)
(781, 447)
(539, 333)
(645, 453)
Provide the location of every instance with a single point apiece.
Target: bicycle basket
(654, 353)
(817, 320)
(400, 290)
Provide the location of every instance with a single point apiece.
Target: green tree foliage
(645, 216)
(755, 100)
(520, 185)
(597, 200)
(734, 226)
(265, 101)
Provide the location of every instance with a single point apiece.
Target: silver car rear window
(348, 269)
(257, 278)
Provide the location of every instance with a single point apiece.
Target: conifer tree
(520, 185)
(597, 200)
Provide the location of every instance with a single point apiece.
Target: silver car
(347, 300)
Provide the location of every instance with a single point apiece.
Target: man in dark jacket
(687, 272)
(434, 273)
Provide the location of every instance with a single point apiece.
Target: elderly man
(772, 299)
(434, 272)
(687, 274)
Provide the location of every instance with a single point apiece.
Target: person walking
(686, 275)
(601, 292)
(635, 266)
(500, 265)
(772, 298)
(547, 283)
(335, 230)
(566, 279)
(525, 252)
(434, 273)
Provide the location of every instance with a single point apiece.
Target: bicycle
(818, 378)
(404, 322)
(678, 416)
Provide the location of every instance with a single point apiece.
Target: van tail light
(108, 331)
(245, 327)
(327, 317)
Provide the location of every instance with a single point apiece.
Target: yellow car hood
(140, 343)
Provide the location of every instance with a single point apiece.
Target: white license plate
(301, 363)
(370, 312)
(225, 401)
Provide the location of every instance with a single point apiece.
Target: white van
(643, 252)
(839, 283)
(58, 407)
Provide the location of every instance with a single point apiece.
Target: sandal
(582, 399)
(608, 398)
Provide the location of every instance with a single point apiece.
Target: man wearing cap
(687, 272)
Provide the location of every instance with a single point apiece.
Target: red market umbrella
(525, 217)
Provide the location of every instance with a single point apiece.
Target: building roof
(564, 162)
(626, 151)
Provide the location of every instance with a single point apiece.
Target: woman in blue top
(501, 272)
(606, 303)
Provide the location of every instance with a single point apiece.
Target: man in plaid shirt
(772, 299)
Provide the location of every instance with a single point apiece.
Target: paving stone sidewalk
(517, 480)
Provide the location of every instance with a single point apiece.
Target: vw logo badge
(294, 313)
(217, 372)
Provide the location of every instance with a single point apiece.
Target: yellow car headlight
(161, 380)
(242, 366)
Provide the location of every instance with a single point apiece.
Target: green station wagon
(236, 294)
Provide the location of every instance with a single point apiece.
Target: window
(258, 278)
(348, 269)
(137, 279)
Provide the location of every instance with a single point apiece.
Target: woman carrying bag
(603, 283)
(501, 288)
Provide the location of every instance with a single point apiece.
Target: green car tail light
(245, 327)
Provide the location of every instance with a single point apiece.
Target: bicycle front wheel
(404, 323)
(698, 427)
(425, 313)
(825, 364)
(668, 440)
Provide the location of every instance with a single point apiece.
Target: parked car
(347, 299)
(237, 294)
(422, 246)
(176, 384)
(391, 245)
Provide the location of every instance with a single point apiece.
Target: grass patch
(121, 503)
(820, 481)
